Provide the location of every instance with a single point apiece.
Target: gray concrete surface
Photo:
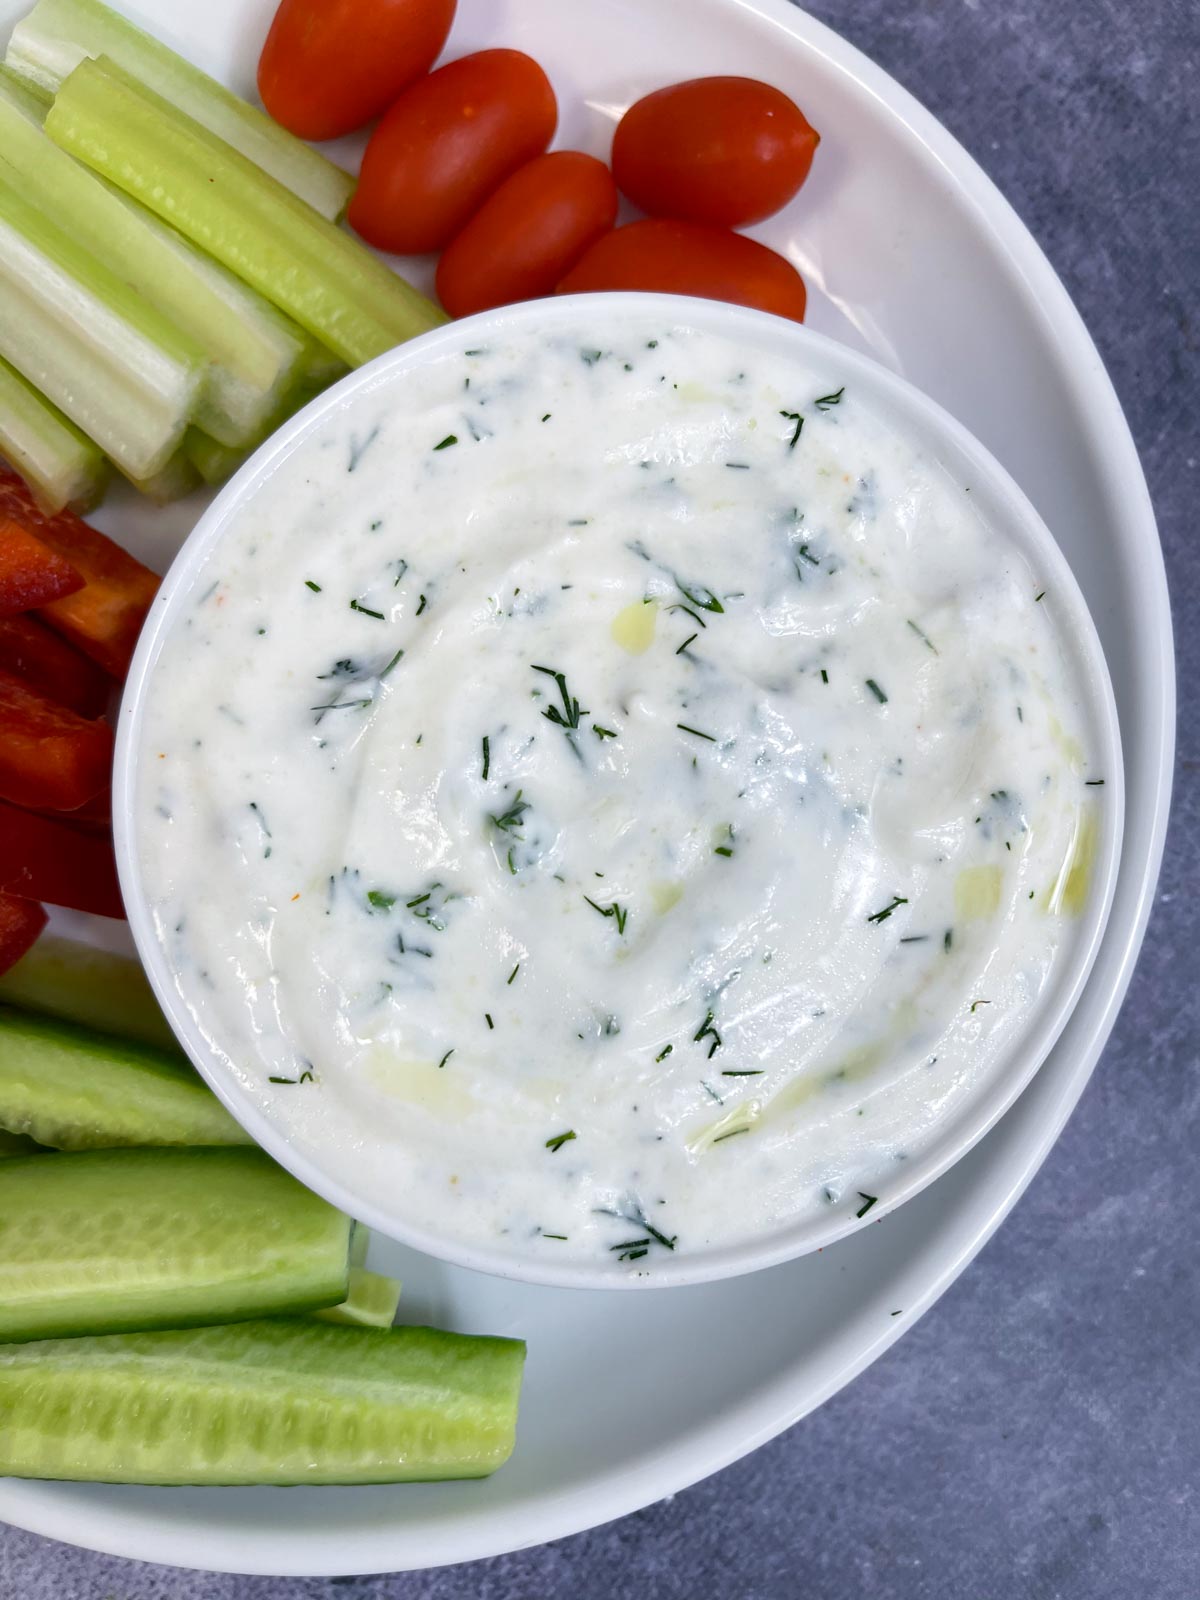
(1037, 1434)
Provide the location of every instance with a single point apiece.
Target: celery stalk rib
(49, 43)
(321, 277)
(252, 352)
(90, 344)
(59, 463)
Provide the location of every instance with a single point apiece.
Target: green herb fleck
(696, 731)
(446, 1058)
(316, 589)
(560, 1139)
(882, 916)
(621, 913)
(923, 636)
(487, 756)
(827, 400)
(379, 900)
(510, 821)
(975, 1005)
(664, 1052)
(513, 973)
(357, 605)
(705, 1031)
(868, 1200)
(877, 691)
(568, 717)
(603, 733)
(451, 438)
(798, 418)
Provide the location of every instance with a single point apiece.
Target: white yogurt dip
(614, 796)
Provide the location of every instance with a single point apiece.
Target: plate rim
(710, 1446)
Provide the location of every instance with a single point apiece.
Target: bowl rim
(960, 454)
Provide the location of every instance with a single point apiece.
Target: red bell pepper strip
(50, 757)
(45, 858)
(20, 923)
(49, 664)
(31, 573)
(104, 618)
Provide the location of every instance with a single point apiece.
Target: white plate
(912, 255)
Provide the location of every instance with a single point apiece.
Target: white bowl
(1002, 506)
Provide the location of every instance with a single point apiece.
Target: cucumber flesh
(78, 982)
(314, 272)
(77, 1089)
(60, 464)
(371, 1303)
(122, 373)
(360, 1243)
(287, 1401)
(51, 41)
(112, 1240)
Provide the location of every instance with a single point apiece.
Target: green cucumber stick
(84, 984)
(52, 39)
(321, 277)
(60, 464)
(285, 1401)
(252, 353)
(372, 1301)
(78, 1089)
(111, 1240)
(89, 343)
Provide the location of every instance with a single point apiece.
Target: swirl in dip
(614, 795)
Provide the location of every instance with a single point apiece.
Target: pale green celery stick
(79, 983)
(252, 353)
(33, 96)
(286, 1401)
(90, 343)
(60, 464)
(56, 35)
(172, 482)
(79, 1089)
(112, 1240)
(18, 1144)
(215, 463)
(325, 280)
(371, 1302)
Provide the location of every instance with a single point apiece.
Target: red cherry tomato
(686, 258)
(329, 66)
(532, 230)
(446, 144)
(729, 151)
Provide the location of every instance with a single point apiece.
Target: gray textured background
(1037, 1434)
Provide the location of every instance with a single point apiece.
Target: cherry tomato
(532, 230)
(723, 150)
(446, 144)
(329, 66)
(672, 257)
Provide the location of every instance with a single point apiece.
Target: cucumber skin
(312, 1403)
(77, 1089)
(91, 987)
(110, 1241)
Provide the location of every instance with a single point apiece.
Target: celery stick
(360, 1243)
(284, 1401)
(372, 1302)
(171, 482)
(61, 465)
(112, 363)
(80, 983)
(79, 1089)
(117, 1239)
(328, 282)
(215, 463)
(251, 352)
(56, 35)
